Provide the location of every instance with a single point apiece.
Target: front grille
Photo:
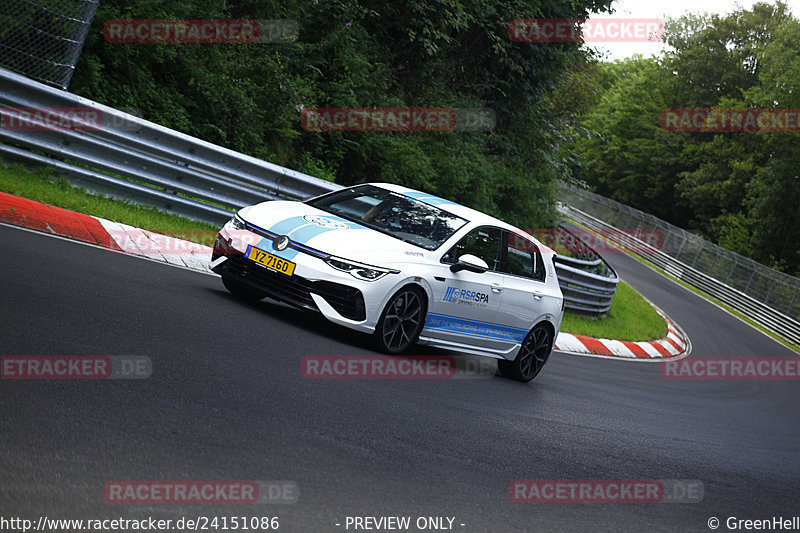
(290, 289)
(296, 290)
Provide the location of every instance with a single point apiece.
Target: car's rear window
(394, 214)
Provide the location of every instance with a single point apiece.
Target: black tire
(401, 321)
(242, 291)
(531, 357)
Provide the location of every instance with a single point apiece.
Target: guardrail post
(769, 292)
(78, 38)
(750, 281)
(697, 255)
(730, 272)
(713, 261)
(683, 244)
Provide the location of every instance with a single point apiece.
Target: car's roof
(463, 211)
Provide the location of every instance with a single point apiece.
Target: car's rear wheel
(401, 321)
(531, 357)
(242, 291)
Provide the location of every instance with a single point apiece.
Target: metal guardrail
(584, 291)
(588, 285)
(753, 309)
(777, 290)
(137, 160)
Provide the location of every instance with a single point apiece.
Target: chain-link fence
(42, 39)
(779, 291)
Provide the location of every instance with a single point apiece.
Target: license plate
(270, 261)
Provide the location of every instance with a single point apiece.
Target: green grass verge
(43, 185)
(631, 318)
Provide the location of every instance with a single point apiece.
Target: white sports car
(404, 266)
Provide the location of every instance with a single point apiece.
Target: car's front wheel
(531, 357)
(242, 291)
(401, 321)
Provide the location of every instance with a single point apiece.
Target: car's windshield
(394, 214)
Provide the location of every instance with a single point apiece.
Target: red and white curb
(158, 247)
(134, 241)
(675, 344)
(101, 232)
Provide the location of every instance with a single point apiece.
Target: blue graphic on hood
(302, 229)
(429, 198)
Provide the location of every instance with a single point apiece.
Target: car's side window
(483, 242)
(521, 257)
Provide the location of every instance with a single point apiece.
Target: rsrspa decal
(457, 295)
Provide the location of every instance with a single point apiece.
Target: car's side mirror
(470, 263)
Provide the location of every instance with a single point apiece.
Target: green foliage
(773, 195)
(739, 189)
(626, 154)
(360, 53)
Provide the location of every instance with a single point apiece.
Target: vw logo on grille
(280, 243)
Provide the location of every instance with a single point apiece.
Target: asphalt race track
(227, 401)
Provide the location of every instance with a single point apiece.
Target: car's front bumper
(314, 285)
(296, 290)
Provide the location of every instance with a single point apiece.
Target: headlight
(237, 222)
(357, 270)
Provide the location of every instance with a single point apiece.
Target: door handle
(537, 296)
(496, 287)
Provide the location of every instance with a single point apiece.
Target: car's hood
(329, 233)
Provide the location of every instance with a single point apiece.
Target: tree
(773, 196)
(626, 155)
